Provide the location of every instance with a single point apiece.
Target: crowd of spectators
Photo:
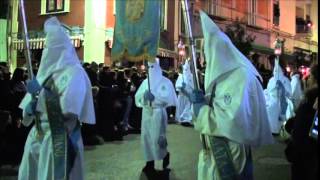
(116, 113)
(113, 91)
(12, 133)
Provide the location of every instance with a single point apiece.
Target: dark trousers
(306, 169)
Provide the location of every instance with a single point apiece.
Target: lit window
(54, 6)
(276, 14)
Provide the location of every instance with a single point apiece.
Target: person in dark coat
(17, 133)
(302, 150)
(136, 113)
(107, 124)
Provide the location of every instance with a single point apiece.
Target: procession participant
(231, 115)
(54, 148)
(153, 102)
(296, 87)
(184, 83)
(278, 99)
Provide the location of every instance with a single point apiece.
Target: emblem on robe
(227, 99)
(134, 10)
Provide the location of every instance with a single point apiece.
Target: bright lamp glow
(277, 51)
(288, 69)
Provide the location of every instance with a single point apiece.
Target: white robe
(183, 109)
(60, 60)
(237, 115)
(154, 117)
(297, 93)
(273, 104)
(237, 111)
(37, 161)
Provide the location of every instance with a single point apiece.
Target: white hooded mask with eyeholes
(59, 61)
(155, 73)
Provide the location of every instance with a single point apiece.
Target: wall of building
(314, 18)
(35, 21)
(73, 18)
(287, 16)
(94, 29)
(171, 24)
(241, 5)
(263, 14)
(3, 40)
(110, 13)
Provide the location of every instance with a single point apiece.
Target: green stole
(63, 151)
(221, 152)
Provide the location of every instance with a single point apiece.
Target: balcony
(222, 12)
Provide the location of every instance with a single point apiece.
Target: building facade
(268, 20)
(91, 23)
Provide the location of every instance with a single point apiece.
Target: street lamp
(278, 47)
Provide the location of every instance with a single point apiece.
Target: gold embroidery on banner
(134, 10)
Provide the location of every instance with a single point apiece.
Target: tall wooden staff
(28, 56)
(194, 68)
(193, 53)
(26, 39)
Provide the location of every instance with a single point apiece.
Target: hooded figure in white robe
(154, 115)
(297, 92)
(278, 93)
(184, 83)
(233, 106)
(59, 61)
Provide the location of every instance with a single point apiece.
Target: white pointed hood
(279, 75)
(58, 52)
(187, 75)
(60, 59)
(277, 70)
(155, 73)
(220, 54)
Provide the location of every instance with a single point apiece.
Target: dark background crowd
(113, 92)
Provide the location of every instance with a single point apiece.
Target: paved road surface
(123, 160)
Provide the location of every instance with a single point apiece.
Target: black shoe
(166, 161)
(186, 124)
(275, 134)
(134, 131)
(150, 172)
(100, 140)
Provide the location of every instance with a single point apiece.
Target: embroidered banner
(137, 30)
